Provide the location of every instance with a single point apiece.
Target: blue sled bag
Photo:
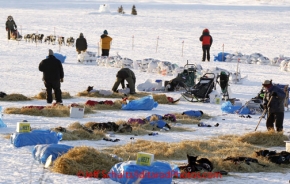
(35, 137)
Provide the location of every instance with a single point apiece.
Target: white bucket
(159, 84)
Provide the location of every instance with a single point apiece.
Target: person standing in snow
(129, 76)
(52, 76)
(206, 40)
(275, 110)
(10, 26)
(81, 44)
(105, 43)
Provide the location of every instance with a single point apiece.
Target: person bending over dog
(275, 110)
(129, 76)
(81, 44)
(52, 76)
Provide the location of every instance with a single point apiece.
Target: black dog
(195, 165)
(109, 126)
(278, 158)
(247, 160)
(90, 88)
(2, 94)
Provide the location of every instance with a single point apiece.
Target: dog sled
(15, 35)
(87, 58)
(200, 92)
(184, 80)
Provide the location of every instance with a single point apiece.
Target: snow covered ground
(246, 26)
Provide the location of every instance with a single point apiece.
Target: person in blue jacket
(275, 109)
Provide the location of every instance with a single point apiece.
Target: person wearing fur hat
(105, 43)
(81, 44)
(129, 76)
(52, 76)
(206, 40)
(275, 109)
(10, 26)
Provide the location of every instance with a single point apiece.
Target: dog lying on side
(279, 158)
(247, 160)
(112, 126)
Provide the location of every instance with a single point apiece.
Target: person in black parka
(10, 26)
(275, 110)
(206, 40)
(52, 76)
(81, 44)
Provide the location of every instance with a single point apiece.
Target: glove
(61, 80)
(274, 94)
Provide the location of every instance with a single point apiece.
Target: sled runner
(200, 92)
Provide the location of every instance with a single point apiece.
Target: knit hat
(267, 82)
(81, 34)
(205, 31)
(105, 32)
(50, 52)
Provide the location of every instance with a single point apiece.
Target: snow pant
(130, 82)
(55, 86)
(206, 49)
(105, 52)
(277, 118)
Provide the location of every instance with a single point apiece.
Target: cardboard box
(77, 112)
(144, 158)
(23, 127)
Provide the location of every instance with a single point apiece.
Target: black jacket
(11, 25)
(52, 69)
(125, 73)
(277, 102)
(81, 43)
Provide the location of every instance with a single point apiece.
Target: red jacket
(206, 38)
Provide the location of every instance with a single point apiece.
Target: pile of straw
(15, 97)
(48, 111)
(79, 160)
(215, 150)
(42, 95)
(76, 131)
(268, 138)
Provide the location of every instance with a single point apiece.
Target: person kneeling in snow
(275, 110)
(129, 76)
